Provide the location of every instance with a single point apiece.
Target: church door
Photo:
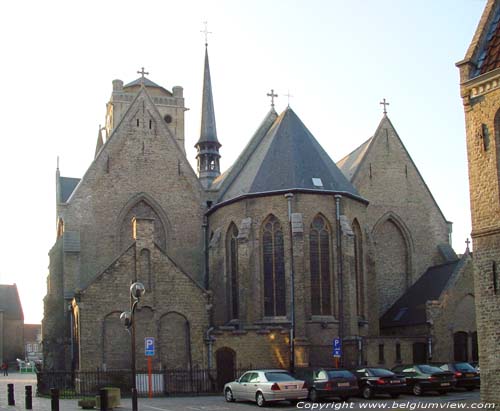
(419, 353)
(460, 346)
(226, 370)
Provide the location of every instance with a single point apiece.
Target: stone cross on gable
(272, 95)
(385, 104)
(467, 242)
(206, 32)
(288, 95)
(142, 73)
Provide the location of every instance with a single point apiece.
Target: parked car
(328, 383)
(373, 381)
(263, 386)
(421, 378)
(466, 375)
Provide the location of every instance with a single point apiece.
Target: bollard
(28, 397)
(134, 399)
(54, 399)
(10, 394)
(103, 399)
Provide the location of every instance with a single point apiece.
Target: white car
(263, 386)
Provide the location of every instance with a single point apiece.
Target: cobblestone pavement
(217, 403)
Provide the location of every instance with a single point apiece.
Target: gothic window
(232, 271)
(475, 351)
(358, 269)
(321, 285)
(274, 268)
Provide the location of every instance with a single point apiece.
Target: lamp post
(127, 317)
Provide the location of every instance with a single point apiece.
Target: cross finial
(142, 73)
(272, 95)
(206, 32)
(288, 95)
(385, 104)
(467, 242)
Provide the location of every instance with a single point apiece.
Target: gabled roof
(147, 83)
(484, 50)
(68, 185)
(10, 303)
(410, 309)
(350, 163)
(285, 157)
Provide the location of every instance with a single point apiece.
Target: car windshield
(381, 372)
(464, 367)
(339, 374)
(278, 376)
(429, 369)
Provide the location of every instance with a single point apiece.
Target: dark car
(328, 383)
(422, 378)
(373, 381)
(466, 375)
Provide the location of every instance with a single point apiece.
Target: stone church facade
(262, 265)
(480, 91)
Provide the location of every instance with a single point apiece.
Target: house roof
(283, 155)
(31, 332)
(489, 58)
(68, 185)
(10, 303)
(350, 163)
(410, 309)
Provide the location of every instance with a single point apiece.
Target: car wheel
(259, 398)
(367, 392)
(313, 395)
(417, 390)
(228, 394)
(345, 399)
(394, 395)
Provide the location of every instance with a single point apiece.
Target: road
(217, 403)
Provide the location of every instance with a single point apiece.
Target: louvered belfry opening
(274, 268)
(321, 286)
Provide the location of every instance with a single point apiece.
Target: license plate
(445, 384)
(469, 375)
(290, 387)
(395, 382)
(343, 384)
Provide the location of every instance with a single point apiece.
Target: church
(262, 265)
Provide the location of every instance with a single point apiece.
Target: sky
(336, 58)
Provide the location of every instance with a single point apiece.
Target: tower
(208, 145)
(480, 91)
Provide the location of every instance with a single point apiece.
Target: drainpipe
(340, 275)
(289, 197)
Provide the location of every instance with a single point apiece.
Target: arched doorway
(475, 351)
(419, 353)
(225, 358)
(460, 346)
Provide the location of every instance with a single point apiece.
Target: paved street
(217, 403)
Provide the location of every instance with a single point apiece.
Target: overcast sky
(337, 58)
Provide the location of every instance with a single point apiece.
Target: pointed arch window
(274, 268)
(320, 264)
(232, 271)
(358, 269)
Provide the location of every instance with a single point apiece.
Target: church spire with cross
(208, 145)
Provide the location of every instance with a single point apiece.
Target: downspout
(289, 197)
(340, 275)
(209, 342)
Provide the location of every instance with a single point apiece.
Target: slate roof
(489, 59)
(208, 130)
(67, 185)
(10, 303)
(410, 308)
(350, 163)
(282, 156)
(138, 82)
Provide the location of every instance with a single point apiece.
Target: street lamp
(137, 290)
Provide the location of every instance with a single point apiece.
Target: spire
(100, 141)
(208, 145)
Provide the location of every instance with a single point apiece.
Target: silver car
(263, 386)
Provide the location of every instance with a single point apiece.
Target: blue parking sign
(337, 347)
(149, 346)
